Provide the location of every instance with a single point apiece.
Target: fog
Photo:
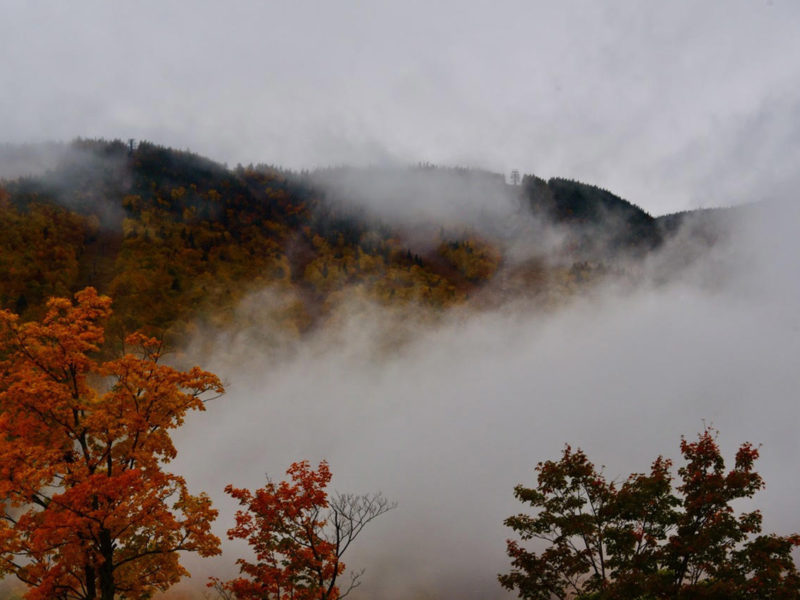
(660, 102)
(448, 420)
(24, 160)
(423, 197)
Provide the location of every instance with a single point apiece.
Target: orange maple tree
(298, 535)
(86, 509)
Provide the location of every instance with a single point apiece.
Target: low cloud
(422, 196)
(27, 160)
(449, 420)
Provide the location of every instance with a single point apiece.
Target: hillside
(177, 239)
(599, 221)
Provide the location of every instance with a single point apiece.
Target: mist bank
(421, 196)
(450, 418)
(25, 160)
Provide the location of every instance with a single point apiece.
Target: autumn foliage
(298, 535)
(175, 239)
(641, 539)
(88, 510)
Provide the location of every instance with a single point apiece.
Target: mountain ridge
(175, 237)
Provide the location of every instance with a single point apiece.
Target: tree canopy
(298, 534)
(643, 539)
(88, 511)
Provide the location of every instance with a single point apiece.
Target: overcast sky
(672, 105)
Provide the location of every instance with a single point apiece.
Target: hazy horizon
(673, 107)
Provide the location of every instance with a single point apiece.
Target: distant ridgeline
(600, 220)
(176, 239)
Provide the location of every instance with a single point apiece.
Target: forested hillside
(177, 239)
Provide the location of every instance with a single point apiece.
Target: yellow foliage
(475, 259)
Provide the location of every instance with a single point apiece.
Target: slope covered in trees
(599, 220)
(175, 237)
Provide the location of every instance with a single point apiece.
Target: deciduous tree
(641, 539)
(88, 511)
(298, 535)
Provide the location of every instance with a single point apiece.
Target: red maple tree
(298, 535)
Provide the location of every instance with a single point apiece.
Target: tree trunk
(91, 584)
(107, 588)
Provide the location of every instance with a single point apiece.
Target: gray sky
(671, 105)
